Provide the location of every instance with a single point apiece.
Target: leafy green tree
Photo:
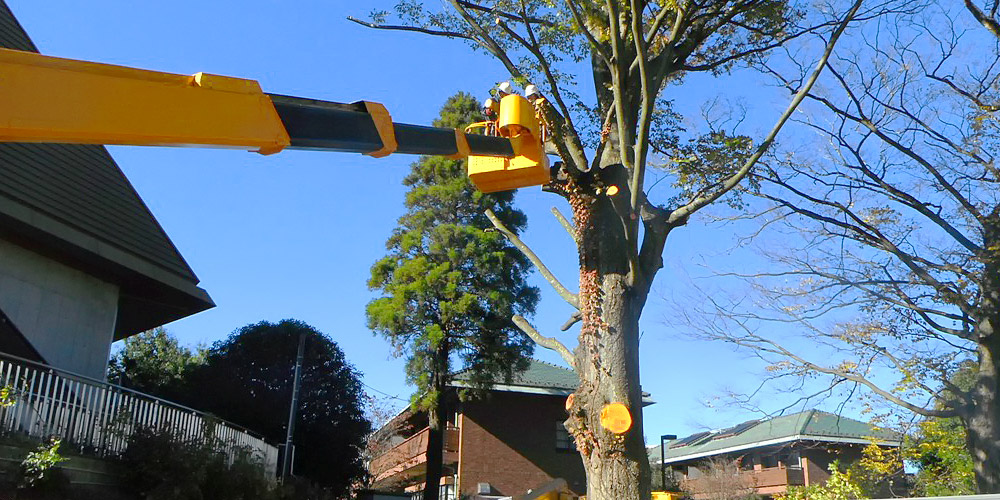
(449, 287)
(247, 379)
(940, 452)
(633, 54)
(153, 362)
(840, 486)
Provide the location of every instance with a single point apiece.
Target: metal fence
(98, 418)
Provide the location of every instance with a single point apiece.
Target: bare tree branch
(573, 319)
(566, 224)
(759, 343)
(988, 22)
(694, 205)
(563, 292)
(546, 342)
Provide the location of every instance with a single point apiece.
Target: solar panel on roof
(736, 429)
(703, 439)
(688, 440)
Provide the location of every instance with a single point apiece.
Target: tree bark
(981, 421)
(982, 413)
(436, 424)
(607, 356)
(435, 448)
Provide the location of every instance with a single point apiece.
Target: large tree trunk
(982, 416)
(435, 448)
(437, 421)
(607, 357)
(981, 422)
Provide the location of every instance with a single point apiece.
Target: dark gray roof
(809, 425)
(74, 204)
(540, 377)
(539, 374)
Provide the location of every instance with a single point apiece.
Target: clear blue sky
(293, 235)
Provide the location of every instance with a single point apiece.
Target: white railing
(99, 418)
(960, 497)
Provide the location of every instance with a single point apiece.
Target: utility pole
(286, 465)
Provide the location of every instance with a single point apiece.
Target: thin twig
(513, 17)
(397, 27)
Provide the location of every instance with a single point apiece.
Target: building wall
(66, 315)
(509, 441)
(819, 457)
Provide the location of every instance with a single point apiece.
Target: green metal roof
(538, 375)
(807, 425)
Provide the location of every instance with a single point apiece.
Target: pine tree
(449, 287)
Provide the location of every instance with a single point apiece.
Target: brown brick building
(502, 445)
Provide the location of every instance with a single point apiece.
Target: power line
(386, 394)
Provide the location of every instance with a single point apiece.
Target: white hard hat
(505, 88)
(488, 103)
(531, 90)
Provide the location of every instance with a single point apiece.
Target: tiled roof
(73, 203)
(539, 375)
(807, 425)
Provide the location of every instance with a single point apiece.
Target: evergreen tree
(247, 379)
(449, 287)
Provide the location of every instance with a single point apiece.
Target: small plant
(8, 396)
(36, 468)
(840, 486)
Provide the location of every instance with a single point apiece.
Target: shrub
(159, 464)
(840, 486)
(37, 470)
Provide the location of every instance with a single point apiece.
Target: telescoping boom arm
(49, 99)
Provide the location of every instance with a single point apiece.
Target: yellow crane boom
(50, 99)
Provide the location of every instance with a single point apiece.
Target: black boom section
(334, 126)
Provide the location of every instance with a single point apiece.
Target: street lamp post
(663, 458)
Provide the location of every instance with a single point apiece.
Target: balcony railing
(758, 479)
(99, 418)
(777, 476)
(411, 453)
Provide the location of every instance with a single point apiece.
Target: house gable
(72, 204)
